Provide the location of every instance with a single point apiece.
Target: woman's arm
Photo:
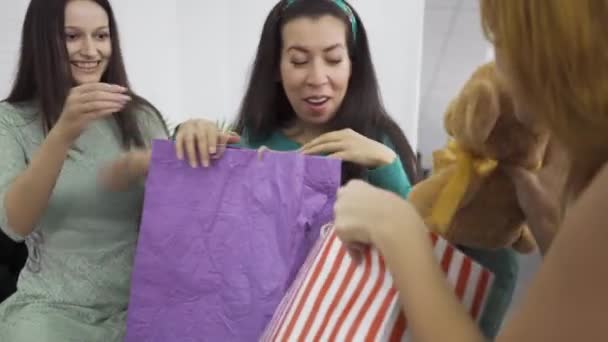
(385, 169)
(391, 177)
(567, 300)
(26, 189)
(542, 194)
(434, 313)
(367, 215)
(130, 168)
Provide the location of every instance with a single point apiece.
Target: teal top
(505, 266)
(75, 285)
(391, 177)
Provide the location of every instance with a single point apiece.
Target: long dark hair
(44, 74)
(266, 108)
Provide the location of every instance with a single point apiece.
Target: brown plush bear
(469, 198)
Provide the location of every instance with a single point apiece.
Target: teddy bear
(469, 198)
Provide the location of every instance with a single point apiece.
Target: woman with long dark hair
(69, 112)
(313, 88)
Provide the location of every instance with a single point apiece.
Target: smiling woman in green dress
(69, 112)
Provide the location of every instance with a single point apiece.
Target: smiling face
(87, 36)
(315, 67)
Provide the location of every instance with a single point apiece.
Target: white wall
(395, 29)
(454, 46)
(149, 40)
(191, 58)
(11, 18)
(218, 42)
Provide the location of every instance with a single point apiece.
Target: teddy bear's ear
(450, 121)
(471, 117)
(481, 112)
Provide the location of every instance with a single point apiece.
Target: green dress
(75, 285)
(503, 263)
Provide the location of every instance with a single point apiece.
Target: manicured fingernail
(212, 150)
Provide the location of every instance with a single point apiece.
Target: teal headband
(344, 7)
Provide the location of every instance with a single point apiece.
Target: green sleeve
(391, 177)
(12, 160)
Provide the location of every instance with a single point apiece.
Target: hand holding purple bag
(219, 246)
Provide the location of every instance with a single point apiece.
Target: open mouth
(87, 66)
(317, 100)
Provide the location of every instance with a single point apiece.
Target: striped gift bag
(334, 299)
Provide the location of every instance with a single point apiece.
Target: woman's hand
(121, 173)
(351, 146)
(86, 103)
(542, 211)
(200, 139)
(366, 215)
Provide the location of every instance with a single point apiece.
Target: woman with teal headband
(346, 8)
(313, 89)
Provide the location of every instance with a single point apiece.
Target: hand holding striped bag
(336, 299)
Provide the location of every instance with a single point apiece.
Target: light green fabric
(75, 286)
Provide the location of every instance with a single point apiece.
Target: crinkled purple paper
(219, 246)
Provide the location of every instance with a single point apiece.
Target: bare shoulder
(567, 297)
(592, 202)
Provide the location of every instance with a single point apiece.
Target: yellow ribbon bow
(450, 197)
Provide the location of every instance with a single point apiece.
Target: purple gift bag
(219, 246)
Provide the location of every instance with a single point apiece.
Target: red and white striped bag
(334, 299)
